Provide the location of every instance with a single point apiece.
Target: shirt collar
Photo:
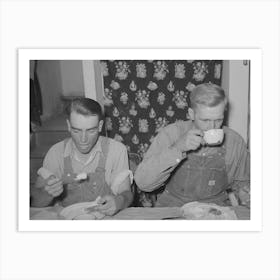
(70, 150)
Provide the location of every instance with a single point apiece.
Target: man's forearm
(242, 191)
(40, 198)
(155, 170)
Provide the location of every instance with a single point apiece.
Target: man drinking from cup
(200, 159)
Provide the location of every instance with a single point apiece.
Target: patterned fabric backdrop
(143, 96)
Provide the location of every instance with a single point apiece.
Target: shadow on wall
(59, 81)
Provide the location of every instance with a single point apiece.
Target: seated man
(190, 170)
(100, 159)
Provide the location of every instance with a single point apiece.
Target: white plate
(78, 211)
(207, 211)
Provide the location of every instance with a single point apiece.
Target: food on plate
(80, 211)
(207, 211)
(81, 176)
(69, 178)
(215, 211)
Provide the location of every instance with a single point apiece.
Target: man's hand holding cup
(190, 141)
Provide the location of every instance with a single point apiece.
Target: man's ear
(100, 125)
(68, 125)
(191, 113)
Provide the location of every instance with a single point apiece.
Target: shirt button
(178, 160)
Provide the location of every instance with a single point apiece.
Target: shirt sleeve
(159, 161)
(237, 161)
(53, 160)
(53, 163)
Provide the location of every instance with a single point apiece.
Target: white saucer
(74, 211)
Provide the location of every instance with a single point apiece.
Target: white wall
(72, 77)
(235, 81)
(93, 87)
(49, 76)
(89, 77)
(58, 78)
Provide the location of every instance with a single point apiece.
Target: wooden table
(132, 213)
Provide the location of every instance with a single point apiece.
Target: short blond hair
(207, 94)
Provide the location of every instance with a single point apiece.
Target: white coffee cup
(214, 136)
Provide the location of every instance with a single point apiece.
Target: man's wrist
(124, 199)
(177, 151)
(120, 200)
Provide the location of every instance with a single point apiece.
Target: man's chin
(84, 150)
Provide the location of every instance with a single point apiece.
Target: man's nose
(84, 137)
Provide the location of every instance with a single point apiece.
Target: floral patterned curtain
(143, 96)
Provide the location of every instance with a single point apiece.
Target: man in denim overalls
(100, 158)
(188, 168)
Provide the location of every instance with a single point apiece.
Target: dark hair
(84, 106)
(207, 94)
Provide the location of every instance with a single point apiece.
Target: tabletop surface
(132, 213)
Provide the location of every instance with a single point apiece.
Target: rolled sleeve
(53, 160)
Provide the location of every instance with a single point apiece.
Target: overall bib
(88, 190)
(201, 177)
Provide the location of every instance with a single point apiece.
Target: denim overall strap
(94, 186)
(68, 170)
(103, 157)
(198, 178)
